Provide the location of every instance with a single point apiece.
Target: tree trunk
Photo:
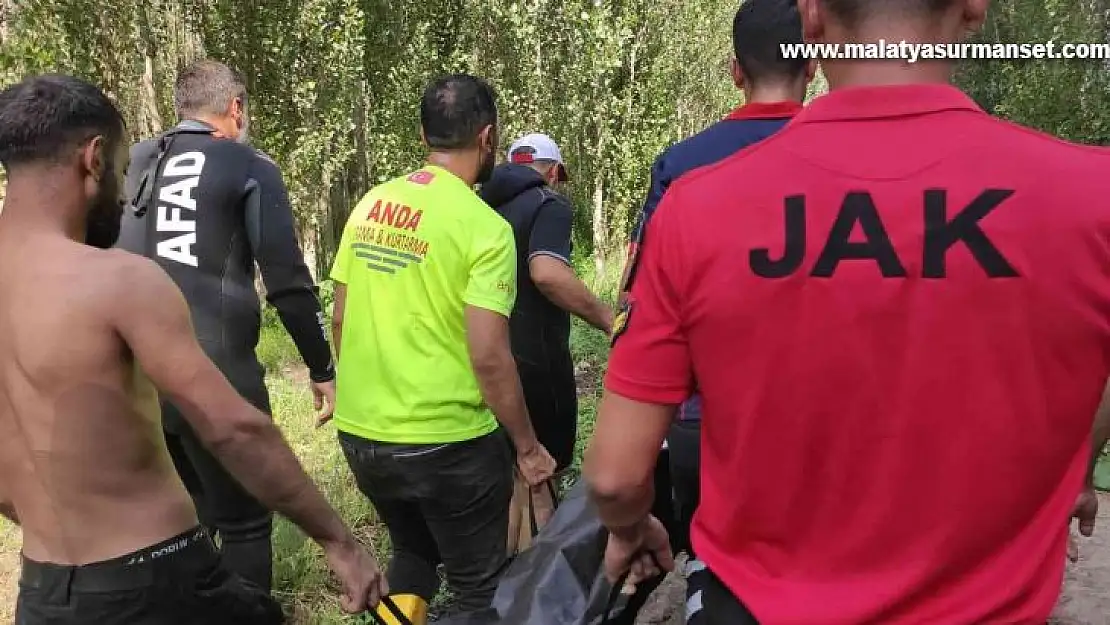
(308, 246)
(150, 119)
(7, 11)
(599, 224)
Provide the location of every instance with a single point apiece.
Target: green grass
(301, 579)
(276, 351)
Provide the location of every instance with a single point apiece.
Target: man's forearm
(571, 294)
(500, 386)
(7, 510)
(622, 513)
(620, 464)
(260, 459)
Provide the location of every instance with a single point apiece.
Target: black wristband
(322, 376)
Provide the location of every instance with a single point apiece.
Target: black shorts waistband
(182, 555)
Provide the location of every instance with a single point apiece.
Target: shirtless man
(109, 533)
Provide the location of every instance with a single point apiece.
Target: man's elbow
(224, 422)
(550, 275)
(611, 482)
(544, 280)
(228, 436)
(491, 362)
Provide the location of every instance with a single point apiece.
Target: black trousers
(684, 445)
(444, 504)
(244, 525)
(547, 379)
(177, 582)
(710, 602)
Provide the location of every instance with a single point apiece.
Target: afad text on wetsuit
(176, 222)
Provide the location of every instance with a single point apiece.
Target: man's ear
(423, 137)
(94, 159)
(737, 73)
(812, 13)
(975, 13)
(486, 138)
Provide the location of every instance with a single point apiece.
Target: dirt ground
(1085, 599)
(9, 570)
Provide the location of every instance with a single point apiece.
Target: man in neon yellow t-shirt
(426, 276)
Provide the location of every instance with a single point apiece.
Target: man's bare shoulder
(135, 265)
(133, 280)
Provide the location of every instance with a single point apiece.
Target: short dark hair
(455, 109)
(757, 30)
(43, 117)
(852, 12)
(206, 88)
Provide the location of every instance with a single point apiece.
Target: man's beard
(102, 223)
(485, 168)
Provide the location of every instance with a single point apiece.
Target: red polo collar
(885, 102)
(765, 110)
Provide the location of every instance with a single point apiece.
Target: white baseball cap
(537, 147)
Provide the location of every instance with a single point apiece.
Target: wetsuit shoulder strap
(144, 194)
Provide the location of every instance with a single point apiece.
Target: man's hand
(323, 398)
(643, 553)
(608, 318)
(358, 572)
(535, 464)
(1086, 512)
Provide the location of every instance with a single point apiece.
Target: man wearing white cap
(524, 192)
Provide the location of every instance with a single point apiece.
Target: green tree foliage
(1068, 98)
(335, 84)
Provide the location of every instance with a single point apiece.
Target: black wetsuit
(213, 208)
(539, 329)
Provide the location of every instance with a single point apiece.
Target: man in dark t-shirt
(524, 192)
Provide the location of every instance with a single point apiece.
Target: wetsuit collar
(765, 110)
(194, 125)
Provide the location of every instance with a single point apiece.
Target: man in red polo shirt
(897, 311)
